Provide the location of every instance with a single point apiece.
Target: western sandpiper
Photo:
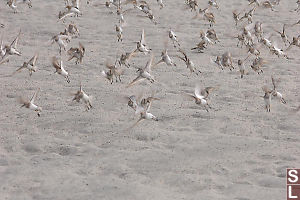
(208, 16)
(173, 37)
(59, 68)
(145, 114)
(257, 64)
(72, 30)
(10, 50)
(189, 64)
(144, 73)
(200, 46)
(236, 17)
(161, 4)
(258, 31)
(226, 60)
(81, 95)
(248, 15)
(275, 93)
(200, 96)
(192, 4)
(298, 5)
(165, 58)
(279, 52)
(242, 67)
(283, 35)
(30, 65)
(124, 59)
(113, 71)
(61, 40)
(213, 3)
(12, 5)
(119, 31)
(30, 104)
(71, 10)
(76, 52)
(267, 98)
(295, 42)
(141, 45)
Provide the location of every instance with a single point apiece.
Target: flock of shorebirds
(252, 37)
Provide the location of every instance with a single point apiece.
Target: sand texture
(237, 150)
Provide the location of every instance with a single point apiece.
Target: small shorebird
(61, 41)
(226, 60)
(248, 36)
(254, 1)
(161, 4)
(279, 52)
(218, 61)
(252, 49)
(108, 75)
(275, 93)
(120, 14)
(242, 67)
(297, 23)
(134, 103)
(2, 25)
(72, 30)
(30, 104)
(165, 57)
(30, 65)
(192, 4)
(2, 49)
(145, 114)
(10, 50)
(60, 68)
(119, 31)
(283, 35)
(265, 40)
(298, 6)
(205, 38)
(268, 4)
(189, 64)
(113, 71)
(76, 52)
(241, 40)
(144, 73)
(71, 10)
(138, 103)
(110, 2)
(12, 5)
(200, 96)
(208, 16)
(124, 59)
(200, 46)
(81, 95)
(258, 31)
(295, 42)
(143, 6)
(151, 17)
(141, 45)
(267, 97)
(173, 37)
(236, 17)
(257, 64)
(248, 15)
(212, 35)
(213, 3)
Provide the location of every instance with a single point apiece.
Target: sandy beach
(237, 150)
